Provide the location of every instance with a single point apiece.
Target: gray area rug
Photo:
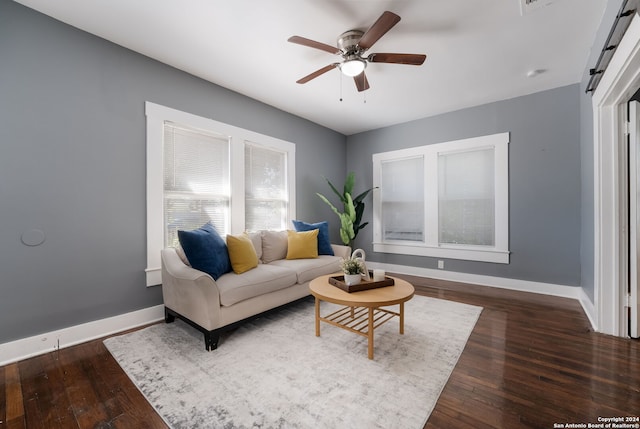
(273, 372)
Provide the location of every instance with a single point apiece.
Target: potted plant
(350, 219)
(352, 269)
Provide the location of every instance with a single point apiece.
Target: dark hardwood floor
(531, 362)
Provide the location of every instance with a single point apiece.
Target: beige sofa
(213, 306)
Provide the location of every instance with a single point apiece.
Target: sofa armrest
(189, 292)
(342, 251)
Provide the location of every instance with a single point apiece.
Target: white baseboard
(589, 310)
(50, 341)
(573, 292)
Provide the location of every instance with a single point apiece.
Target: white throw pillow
(274, 245)
(256, 239)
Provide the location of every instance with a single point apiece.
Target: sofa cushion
(324, 244)
(302, 244)
(206, 250)
(262, 279)
(241, 253)
(274, 245)
(309, 269)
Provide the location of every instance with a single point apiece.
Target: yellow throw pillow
(302, 244)
(242, 253)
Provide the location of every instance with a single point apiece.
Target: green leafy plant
(352, 266)
(351, 217)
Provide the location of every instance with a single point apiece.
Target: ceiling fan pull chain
(341, 87)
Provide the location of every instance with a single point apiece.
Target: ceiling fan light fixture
(353, 66)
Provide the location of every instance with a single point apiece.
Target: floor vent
(530, 6)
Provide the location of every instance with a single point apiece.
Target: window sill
(467, 253)
(154, 276)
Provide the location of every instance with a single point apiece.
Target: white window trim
(499, 253)
(156, 117)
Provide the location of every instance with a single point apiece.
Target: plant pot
(352, 279)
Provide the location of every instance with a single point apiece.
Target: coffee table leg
(370, 333)
(401, 318)
(317, 317)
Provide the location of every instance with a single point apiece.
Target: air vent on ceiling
(529, 6)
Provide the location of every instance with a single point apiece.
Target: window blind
(402, 198)
(196, 180)
(266, 202)
(466, 197)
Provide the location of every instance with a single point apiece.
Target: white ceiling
(478, 51)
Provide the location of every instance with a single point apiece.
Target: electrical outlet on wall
(440, 264)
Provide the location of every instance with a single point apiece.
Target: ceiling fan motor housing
(348, 41)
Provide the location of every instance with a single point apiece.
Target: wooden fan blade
(361, 82)
(386, 21)
(313, 44)
(317, 73)
(410, 59)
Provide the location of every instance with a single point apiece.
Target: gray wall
(544, 180)
(72, 134)
(586, 153)
(73, 165)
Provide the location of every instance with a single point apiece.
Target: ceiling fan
(352, 46)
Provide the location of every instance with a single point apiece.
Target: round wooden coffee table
(362, 312)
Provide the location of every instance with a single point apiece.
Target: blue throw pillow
(324, 244)
(206, 250)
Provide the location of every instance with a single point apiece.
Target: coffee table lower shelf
(360, 320)
(356, 319)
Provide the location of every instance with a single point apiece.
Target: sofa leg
(168, 317)
(211, 340)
